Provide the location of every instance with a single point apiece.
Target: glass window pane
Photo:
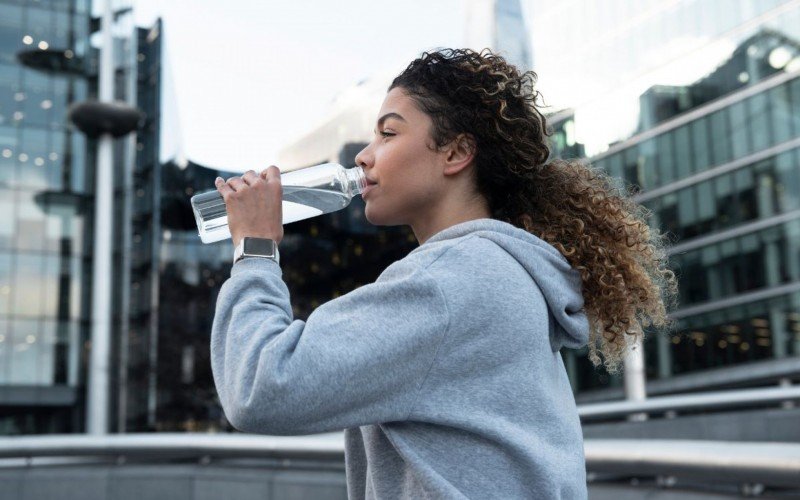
(666, 164)
(647, 157)
(52, 289)
(707, 207)
(744, 179)
(8, 156)
(740, 132)
(687, 210)
(793, 250)
(8, 223)
(794, 94)
(788, 181)
(720, 139)
(631, 166)
(10, 33)
(5, 283)
(750, 243)
(31, 362)
(38, 98)
(759, 122)
(79, 296)
(54, 161)
(39, 25)
(10, 94)
(5, 352)
(29, 277)
(33, 158)
(683, 153)
(30, 222)
(80, 181)
(700, 145)
(781, 114)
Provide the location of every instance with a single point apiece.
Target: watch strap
(264, 248)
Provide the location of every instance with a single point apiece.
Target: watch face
(258, 246)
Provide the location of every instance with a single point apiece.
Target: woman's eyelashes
(386, 134)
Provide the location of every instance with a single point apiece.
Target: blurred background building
(46, 185)
(695, 105)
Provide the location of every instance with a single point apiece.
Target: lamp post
(105, 120)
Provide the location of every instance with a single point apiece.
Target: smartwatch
(256, 247)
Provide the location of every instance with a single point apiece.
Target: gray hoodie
(445, 373)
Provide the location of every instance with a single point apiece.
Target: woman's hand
(254, 204)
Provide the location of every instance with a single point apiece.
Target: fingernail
(218, 180)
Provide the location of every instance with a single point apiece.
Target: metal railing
(765, 464)
(751, 466)
(719, 400)
(175, 446)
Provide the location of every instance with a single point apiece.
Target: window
(788, 180)
(10, 33)
(700, 145)
(759, 122)
(32, 159)
(649, 168)
(781, 113)
(666, 164)
(720, 139)
(8, 154)
(740, 131)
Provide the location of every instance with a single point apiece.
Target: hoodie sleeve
(359, 359)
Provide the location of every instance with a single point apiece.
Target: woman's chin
(375, 217)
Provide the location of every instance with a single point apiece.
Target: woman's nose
(362, 157)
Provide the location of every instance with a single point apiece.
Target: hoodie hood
(560, 284)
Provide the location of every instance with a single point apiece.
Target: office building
(694, 106)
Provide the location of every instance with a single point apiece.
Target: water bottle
(307, 192)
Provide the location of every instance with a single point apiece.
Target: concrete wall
(745, 425)
(168, 481)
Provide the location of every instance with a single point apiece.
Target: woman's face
(400, 159)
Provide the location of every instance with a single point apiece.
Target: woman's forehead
(397, 102)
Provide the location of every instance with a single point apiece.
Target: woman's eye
(386, 134)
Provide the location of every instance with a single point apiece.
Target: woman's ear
(460, 153)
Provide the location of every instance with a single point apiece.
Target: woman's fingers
(223, 187)
(271, 172)
(247, 179)
(250, 177)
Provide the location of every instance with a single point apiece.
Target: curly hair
(577, 208)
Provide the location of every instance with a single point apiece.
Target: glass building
(47, 181)
(500, 25)
(45, 192)
(695, 107)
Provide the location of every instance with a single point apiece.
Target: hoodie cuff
(256, 265)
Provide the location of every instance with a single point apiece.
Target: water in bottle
(307, 193)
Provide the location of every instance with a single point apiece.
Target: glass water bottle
(307, 192)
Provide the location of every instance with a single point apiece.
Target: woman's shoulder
(453, 259)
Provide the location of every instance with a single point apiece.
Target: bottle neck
(356, 180)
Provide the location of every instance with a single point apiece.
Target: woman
(446, 372)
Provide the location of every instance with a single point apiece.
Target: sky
(250, 77)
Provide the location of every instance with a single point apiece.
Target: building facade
(46, 185)
(693, 106)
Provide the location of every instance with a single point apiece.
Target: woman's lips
(367, 189)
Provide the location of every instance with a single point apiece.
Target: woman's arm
(359, 359)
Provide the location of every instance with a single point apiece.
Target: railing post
(634, 375)
(786, 382)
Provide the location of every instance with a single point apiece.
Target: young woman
(446, 373)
